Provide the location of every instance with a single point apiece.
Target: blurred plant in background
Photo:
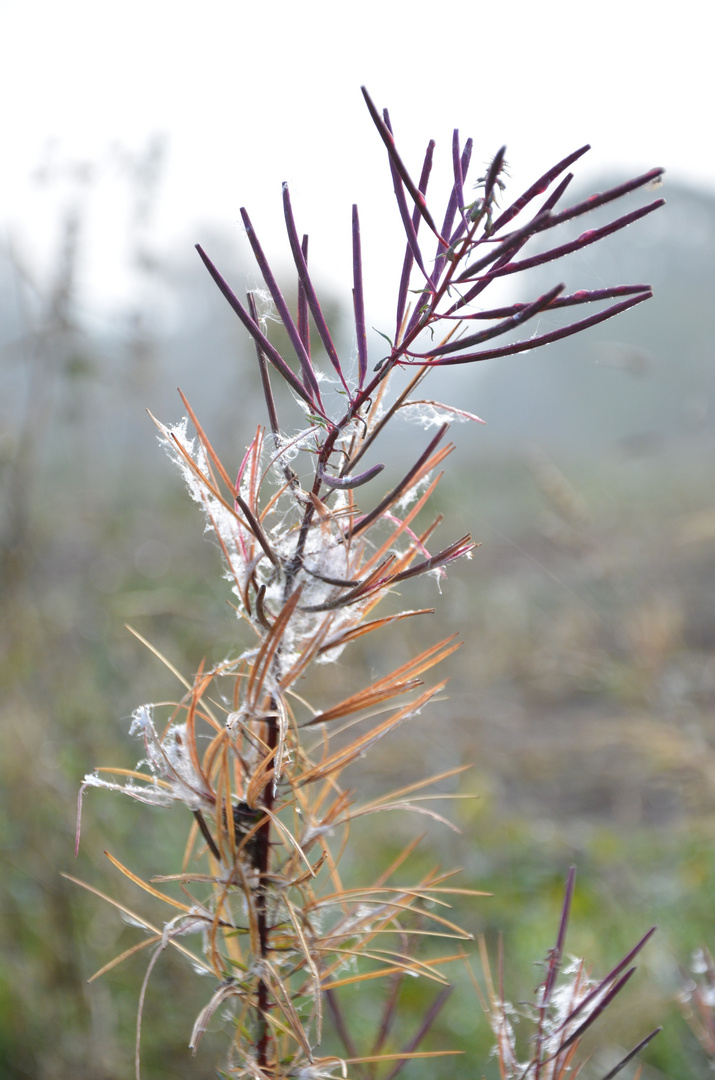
(260, 882)
(698, 1000)
(569, 1002)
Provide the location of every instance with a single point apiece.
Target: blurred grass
(584, 696)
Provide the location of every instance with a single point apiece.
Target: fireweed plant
(312, 543)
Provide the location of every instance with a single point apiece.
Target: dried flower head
(698, 1000)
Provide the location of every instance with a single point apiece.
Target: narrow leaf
(258, 336)
(358, 299)
(526, 312)
(303, 323)
(263, 369)
(311, 296)
(537, 188)
(396, 492)
(409, 257)
(306, 366)
(535, 343)
(386, 136)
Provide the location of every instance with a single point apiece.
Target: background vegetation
(585, 693)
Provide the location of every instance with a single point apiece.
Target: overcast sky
(247, 95)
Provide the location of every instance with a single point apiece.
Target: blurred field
(584, 694)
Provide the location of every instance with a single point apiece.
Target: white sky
(251, 94)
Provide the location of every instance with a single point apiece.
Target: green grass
(584, 697)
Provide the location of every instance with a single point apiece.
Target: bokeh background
(585, 690)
